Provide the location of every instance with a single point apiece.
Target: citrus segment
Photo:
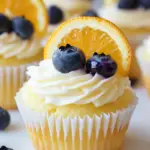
(92, 35)
(33, 10)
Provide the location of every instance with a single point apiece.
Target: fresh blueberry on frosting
(22, 27)
(102, 64)
(5, 24)
(68, 58)
(55, 15)
(90, 13)
(145, 3)
(128, 4)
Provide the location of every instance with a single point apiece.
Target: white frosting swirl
(135, 18)
(76, 87)
(12, 45)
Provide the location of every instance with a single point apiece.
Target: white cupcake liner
(11, 79)
(110, 123)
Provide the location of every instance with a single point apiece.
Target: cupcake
(80, 97)
(143, 55)
(60, 11)
(131, 16)
(20, 37)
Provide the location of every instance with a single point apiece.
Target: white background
(137, 138)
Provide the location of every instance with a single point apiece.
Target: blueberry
(22, 27)
(5, 148)
(68, 58)
(101, 64)
(5, 24)
(145, 3)
(56, 15)
(128, 4)
(90, 13)
(4, 119)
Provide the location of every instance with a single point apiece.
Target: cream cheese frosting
(136, 18)
(76, 87)
(13, 46)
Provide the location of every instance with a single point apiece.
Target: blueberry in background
(101, 64)
(128, 4)
(4, 119)
(5, 24)
(68, 58)
(90, 13)
(22, 27)
(145, 4)
(56, 15)
(5, 148)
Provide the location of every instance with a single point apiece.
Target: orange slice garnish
(91, 35)
(33, 10)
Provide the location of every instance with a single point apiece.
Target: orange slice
(33, 10)
(91, 35)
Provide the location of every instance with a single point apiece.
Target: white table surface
(137, 138)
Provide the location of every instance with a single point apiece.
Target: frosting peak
(76, 87)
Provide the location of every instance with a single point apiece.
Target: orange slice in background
(33, 10)
(91, 35)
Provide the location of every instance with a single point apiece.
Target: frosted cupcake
(75, 99)
(132, 17)
(20, 46)
(143, 56)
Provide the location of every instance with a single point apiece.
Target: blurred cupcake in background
(143, 56)
(56, 16)
(71, 7)
(132, 17)
(20, 34)
(61, 10)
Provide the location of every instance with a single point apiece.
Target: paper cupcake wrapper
(77, 133)
(11, 79)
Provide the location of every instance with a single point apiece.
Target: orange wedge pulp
(91, 35)
(33, 10)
